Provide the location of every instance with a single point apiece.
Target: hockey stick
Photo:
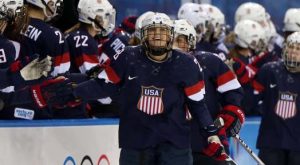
(248, 149)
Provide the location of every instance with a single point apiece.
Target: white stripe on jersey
(230, 85)
(197, 96)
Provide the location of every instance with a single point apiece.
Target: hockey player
(156, 83)
(250, 38)
(41, 38)
(277, 86)
(209, 23)
(256, 12)
(291, 21)
(11, 13)
(94, 18)
(223, 95)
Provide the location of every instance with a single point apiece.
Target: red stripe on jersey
(111, 74)
(65, 57)
(258, 86)
(195, 88)
(61, 59)
(226, 77)
(86, 58)
(57, 60)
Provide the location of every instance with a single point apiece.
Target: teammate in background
(94, 18)
(256, 12)
(250, 38)
(209, 23)
(223, 95)
(277, 86)
(43, 39)
(11, 15)
(291, 21)
(156, 83)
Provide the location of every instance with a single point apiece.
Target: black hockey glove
(94, 71)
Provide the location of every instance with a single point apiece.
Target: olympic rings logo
(102, 160)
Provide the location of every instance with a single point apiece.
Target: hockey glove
(55, 92)
(233, 118)
(34, 69)
(214, 147)
(94, 71)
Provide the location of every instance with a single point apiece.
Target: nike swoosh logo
(272, 85)
(131, 78)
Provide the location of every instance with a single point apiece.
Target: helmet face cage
(157, 38)
(291, 55)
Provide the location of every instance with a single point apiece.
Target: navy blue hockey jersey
(217, 48)
(113, 47)
(40, 38)
(279, 89)
(83, 51)
(9, 52)
(153, 97)
(221, 89)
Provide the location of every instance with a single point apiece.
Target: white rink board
(49, 143)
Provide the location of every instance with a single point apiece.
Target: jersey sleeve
(224, 76)
(111, 49)
(59, 50)
(226, 83)
(106, 84)
(194, 89)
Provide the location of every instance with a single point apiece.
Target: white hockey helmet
(292, 20)
(251, 11)
(138, 23)
(291, 52)
(52, 6)
(150, 23)
(217, 19)
(197, 16)
(250, 34)
(99, 13)
(185, 28)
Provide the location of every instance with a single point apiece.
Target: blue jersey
(153, 97)
(83, 51)
(221, 89)
(217, 48)
(9, 52)
(113, 47)
(278, 89)
(40, 38)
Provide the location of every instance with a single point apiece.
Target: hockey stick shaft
(248, 149)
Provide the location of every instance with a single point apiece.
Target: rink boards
(75, 142)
